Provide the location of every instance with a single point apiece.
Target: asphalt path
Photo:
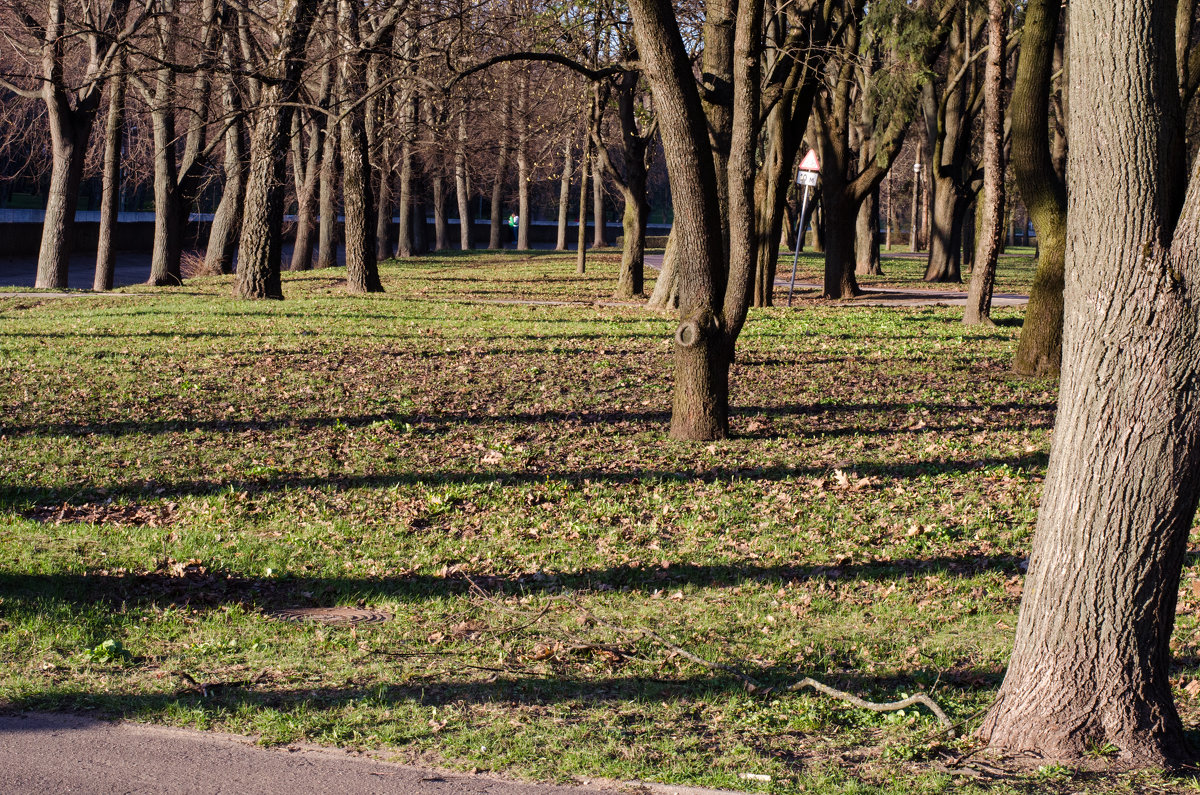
(55, 753)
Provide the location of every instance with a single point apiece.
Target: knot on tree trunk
(697, 329)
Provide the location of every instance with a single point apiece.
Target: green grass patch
(497, 476)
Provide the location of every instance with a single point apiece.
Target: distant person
(513, 222)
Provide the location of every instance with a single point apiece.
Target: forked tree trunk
(261, 246)
(1039, 351)
(114, 134)
(307, 170)
(983, 274)
(1091, 664)
(226, 224)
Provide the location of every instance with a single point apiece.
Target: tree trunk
(945, 234)
(460, 185)
(114, 134)
(983, 274)
(564, 199)
(383, 209)
(69, 134)
(523, 218)
(406, 230)
(261, 246)
(866, 237)
(630, 279)
(495, 239)
(362, 270)
(1091, 664)
(226, 224)
(1039, 351)
(327, 234)
(665, 290)
(599, 224)
(581, 242)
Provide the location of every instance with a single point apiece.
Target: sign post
(807, 176)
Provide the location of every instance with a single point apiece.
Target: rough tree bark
(362, 269)
(261, 246)
(1092, 660)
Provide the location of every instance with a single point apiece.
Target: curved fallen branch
(753, 686)
(878, 706)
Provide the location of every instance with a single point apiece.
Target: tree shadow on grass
(196, 586)
(533, 418)
(17, 497)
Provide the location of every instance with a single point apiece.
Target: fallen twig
(754, 686)
(876, 706)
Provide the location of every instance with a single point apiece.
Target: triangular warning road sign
(810, 162)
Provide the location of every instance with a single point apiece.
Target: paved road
(50, 753)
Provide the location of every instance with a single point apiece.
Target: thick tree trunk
(1039, 351)
(261, 246)
(1091, 664)
(441, 227)
(564, 199)
(840, 281)
(465, 215)
(983, 274)
(69, 134)
(945, 234)
(114, 134)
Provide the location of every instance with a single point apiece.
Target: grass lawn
(497, 477)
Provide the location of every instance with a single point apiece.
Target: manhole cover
(331, 616)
